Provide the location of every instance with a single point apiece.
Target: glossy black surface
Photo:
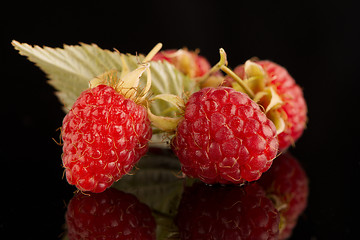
(316, 42)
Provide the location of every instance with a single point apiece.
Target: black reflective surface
(317, 42)
(158, 203)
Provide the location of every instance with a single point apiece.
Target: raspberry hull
(224, 137)
(104, 135)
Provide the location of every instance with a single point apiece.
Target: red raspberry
(188, 62)
(109, 215)
(224, 137)
(227, 212)
(104, 135)
(287, 184)
(294, 108)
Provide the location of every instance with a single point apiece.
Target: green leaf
(71, 68)
(166, 79)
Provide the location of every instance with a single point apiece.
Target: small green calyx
(265, 96)
(127, 82)
(255, 86)
(163, 122)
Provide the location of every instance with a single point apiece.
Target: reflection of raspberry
(224, 137)
(294, 109)
(226, 212)
(104, 135)
(287, 184)
(188, 62)
(109, 215)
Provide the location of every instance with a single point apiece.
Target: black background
(318, 42)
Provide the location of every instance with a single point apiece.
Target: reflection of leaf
(157, 185)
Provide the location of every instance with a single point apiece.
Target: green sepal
(165, 124)
(277, 119)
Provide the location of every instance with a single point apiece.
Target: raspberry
(111, 214)
(294, 108)
(287, 184)
(104, 135)
(226, 212)
(188, 62)
(224, 137)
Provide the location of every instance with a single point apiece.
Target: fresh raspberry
(224, 137)
(188, 62)
(294, 108)
(104, 135)
(287, 184)
(111, 214)
(226, 212)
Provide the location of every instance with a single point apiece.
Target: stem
(217, 67)
(222, 65)
(233, 75)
